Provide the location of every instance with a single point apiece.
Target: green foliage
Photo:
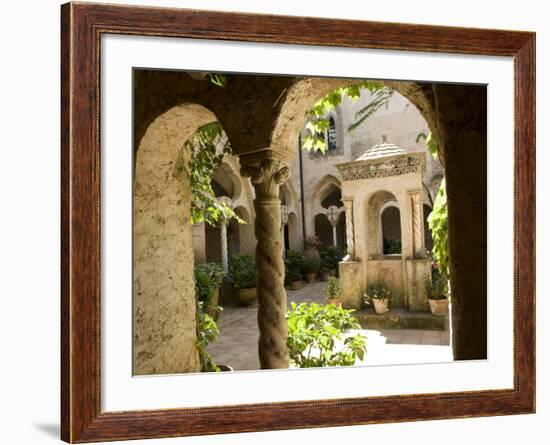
(438, 222)
(208, 277)
(207, 332)
(294, 262)
(220, 80)
(311, 265)
(205, 160)
(377, 291)
(318, 123)
(430, 142)
(331, 256)
(437, 286)
(242, 271)
(333, 288)
(316, 336)
(392, 247)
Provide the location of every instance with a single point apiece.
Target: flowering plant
(312, 242)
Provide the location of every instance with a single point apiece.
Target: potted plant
(330, 257)
(242, 273)
(379, 296)
(333, 291)
(436, 289)
(294, 262)
(311, 246)
(208, 279)
(310, 268)
(326, 273)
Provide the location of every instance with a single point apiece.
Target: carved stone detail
(369, 169)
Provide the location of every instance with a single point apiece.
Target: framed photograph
(274, 222)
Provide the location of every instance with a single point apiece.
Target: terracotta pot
(246, 296)
(438, 307)
(334, 301)
(310, 277)
(326, 276)
(295, 285)
(312, 252)
(380, 305)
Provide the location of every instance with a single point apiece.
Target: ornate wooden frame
(81, 28)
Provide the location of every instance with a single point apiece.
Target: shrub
(316, 336)
(294, 261)
(436, 288)
(242, 271)
(311, 265)
(208, 276)
(331, 256)
(333, 288)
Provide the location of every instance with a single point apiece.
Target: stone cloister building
(311, 198)
(262, 117)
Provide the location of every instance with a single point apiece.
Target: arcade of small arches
(376, 199)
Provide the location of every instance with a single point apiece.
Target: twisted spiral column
(350, 236)
(266, 176)
(418, 247)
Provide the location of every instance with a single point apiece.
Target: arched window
(331, 134)
(391, 230)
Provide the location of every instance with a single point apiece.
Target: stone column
(223, 236)
(418, 225)
(267, 171)
(223, 241)
(332, 216)
(350, 235)
(284, 222)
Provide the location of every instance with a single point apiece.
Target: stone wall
(164, 328)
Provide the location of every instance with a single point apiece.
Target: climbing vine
(205, 160)
(438, 221)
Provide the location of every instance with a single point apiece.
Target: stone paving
(237, 345)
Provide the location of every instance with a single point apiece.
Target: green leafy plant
(331, 256)
(207, 332)
(311, 265)
(294, 261)
(333, 289)
(430, 142)
(438, 222)
(242, 271)
(377, 291)
(208, 277)
(208, 146)
(437, 287)
(392, 247)
(316, 336)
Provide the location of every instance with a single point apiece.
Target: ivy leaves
(318, 124)
(205, 160)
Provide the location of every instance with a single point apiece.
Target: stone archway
(164, 329)
(457, 118)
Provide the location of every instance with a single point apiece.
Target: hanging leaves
(205, 160)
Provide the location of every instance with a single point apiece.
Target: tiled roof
(381, 150)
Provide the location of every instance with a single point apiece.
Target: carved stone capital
(266, 171)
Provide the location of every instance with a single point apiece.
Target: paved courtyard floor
(237, 345)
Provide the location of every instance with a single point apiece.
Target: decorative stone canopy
(382, 160)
